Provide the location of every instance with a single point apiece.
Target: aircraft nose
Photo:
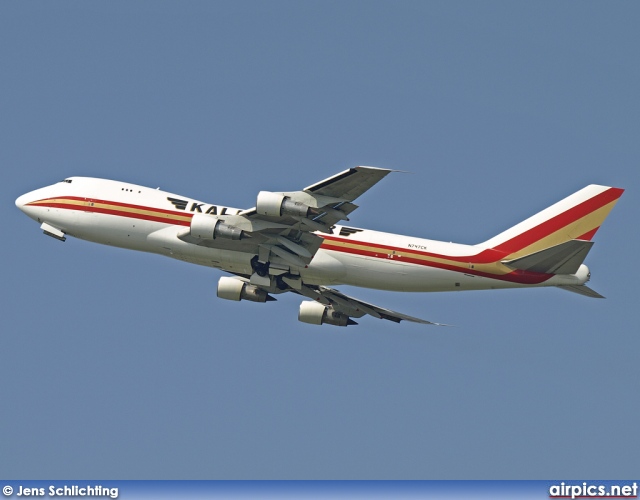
(21, 201)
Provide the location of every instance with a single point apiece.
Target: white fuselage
(140, 218)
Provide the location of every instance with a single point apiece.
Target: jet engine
(315, 313)
(277, 204)
(235, 289)
(209, 227)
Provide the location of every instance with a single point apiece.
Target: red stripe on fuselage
(516, 276)
(120, 213)
(488, 256)
(87, 208)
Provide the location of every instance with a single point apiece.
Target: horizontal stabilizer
(582, 290)
(564, 258)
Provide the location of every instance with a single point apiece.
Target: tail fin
(549, 237)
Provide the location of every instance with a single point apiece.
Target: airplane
(292, 242)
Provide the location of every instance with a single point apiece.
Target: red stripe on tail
(559, 221)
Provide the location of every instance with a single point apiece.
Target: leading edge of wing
(349, 184)
(317, 208)
(346, 185)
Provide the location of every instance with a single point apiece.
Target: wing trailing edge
(582, 290)
(358, 308)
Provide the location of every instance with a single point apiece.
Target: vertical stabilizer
(577, 217)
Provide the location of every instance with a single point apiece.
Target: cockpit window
(68, 181)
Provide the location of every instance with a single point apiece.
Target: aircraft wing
(319, 206)
(342, 304)
(350, 184)
(281, 228)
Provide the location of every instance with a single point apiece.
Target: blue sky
(118, 364)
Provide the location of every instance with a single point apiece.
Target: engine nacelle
(277, 204)
(315, 313)
(210, 227)
(234, 289)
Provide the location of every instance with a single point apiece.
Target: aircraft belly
(387, 275)
(227, 260)
(324, 269)
(166, 242)
(146, 236)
